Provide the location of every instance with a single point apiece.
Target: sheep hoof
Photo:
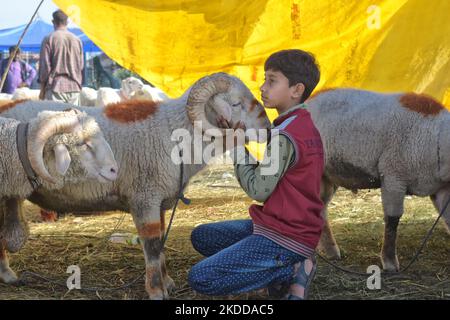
(390, 265)
(7, 275)
(157, 294)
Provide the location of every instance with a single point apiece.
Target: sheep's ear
(62, 158)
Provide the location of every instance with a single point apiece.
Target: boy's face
(276, 92)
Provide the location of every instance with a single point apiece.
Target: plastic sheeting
(383, 45)
(34, 36)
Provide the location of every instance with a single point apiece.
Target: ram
(27, 149)
(397, 142)
(140, 135)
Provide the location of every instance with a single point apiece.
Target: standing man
(61, 63)
(20, 73)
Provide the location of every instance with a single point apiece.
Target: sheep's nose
(113, 170)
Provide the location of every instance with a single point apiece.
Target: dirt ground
(357, 221)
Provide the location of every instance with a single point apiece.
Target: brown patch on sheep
(10, 104)
(253, 105)
(262, 113)
(421, 103)
(130, 111)
(150, 230)
(318, 92)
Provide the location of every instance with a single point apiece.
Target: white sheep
(107, 96)
(149, 93)
(132, 89)
(69, 143)
(131, 85)
(26, 94)
(140, 134)
(396, 142)
(88, 97)
(5, 96)
(136, 89)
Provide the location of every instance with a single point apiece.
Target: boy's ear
(298, 91)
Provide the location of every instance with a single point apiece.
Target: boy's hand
(239, 131)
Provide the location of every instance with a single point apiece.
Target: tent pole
(17, 47)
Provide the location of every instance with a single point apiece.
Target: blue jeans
(237, 260)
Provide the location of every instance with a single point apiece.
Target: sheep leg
(168, 281)
(439, 200)
(7, 275)
(148, 224)
(392, 198)
(327, 243)
(14, 230)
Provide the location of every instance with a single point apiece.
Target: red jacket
(291, 216)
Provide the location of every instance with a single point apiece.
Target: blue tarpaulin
(34, 36)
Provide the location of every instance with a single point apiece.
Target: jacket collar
(293, 110)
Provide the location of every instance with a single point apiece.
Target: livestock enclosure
(357, 221)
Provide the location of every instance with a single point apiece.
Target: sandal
(303, 279)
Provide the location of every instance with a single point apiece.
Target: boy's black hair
(298, 66)
(60, 18)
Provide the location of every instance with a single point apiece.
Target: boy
(276, 247)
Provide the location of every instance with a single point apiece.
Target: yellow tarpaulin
(383, 45)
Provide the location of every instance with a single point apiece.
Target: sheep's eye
(236, 104)
(86, 144)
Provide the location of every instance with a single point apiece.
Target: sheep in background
(26, 94)
(397, 142)
(5, 96)
(149, 93)
(88, 97)
(140, 135)
(138, 90)
(45, 145)
(132, 89)
(107, 96)
(131, 85)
